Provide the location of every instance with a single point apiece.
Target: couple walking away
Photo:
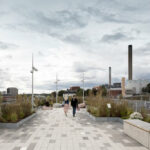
(74, 104)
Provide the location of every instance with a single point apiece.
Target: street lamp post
(56, 88)
(32, 71)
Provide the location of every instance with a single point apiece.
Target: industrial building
(130, 87)
(134, 87)
(11, 94)
(12, 91)
(115, 92)
(74, 88)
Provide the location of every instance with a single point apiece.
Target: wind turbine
(32, 71)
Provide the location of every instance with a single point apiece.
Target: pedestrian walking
(66, 104)
(74, 104)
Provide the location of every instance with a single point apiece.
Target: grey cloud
(5, 46)
(40, 53)
(117, 11)
(145, 75)
(114, 37)
(51, 21)
(66, 85)
(5, 76)
(144, 50)
(144, 72)
(84, 67)
(9, 56)
(75, 39)
(49, 65)
(88, 84)
(102, 15)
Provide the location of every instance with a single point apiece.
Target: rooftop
(52, 130)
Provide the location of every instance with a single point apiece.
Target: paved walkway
(52, 130)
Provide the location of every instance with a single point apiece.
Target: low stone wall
(138, 130)
(105, 119)
(17, 124)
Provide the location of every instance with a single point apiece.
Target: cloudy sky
(69, 37)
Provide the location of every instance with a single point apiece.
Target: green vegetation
(146, 89)
(97, 106)
(13, 117)
(14, 112)
(146, 115)
(61, 92)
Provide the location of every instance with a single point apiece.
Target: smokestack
(109, 77)
(130, 62)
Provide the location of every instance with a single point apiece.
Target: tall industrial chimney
(130, 62)
(109, 77)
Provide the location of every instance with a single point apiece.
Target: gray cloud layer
(76, 36)
(5, 46)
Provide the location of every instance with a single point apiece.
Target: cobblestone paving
(52, 130)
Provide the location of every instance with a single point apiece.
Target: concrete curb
(105, 119)
(18, 124)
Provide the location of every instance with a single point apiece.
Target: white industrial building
(135, 86)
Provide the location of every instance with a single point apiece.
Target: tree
(48, 98)
(87, 92)
(79, 92)
(104, 91)
(94, 91)
(147, 88)
(53, 94)
(61, 92)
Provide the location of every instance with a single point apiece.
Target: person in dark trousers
(74, 104)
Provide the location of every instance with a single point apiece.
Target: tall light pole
(32, 71)
(83, 86)
(56, 88)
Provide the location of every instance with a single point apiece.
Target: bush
(98, 107)
(26, 108)
(21, 115)
(13, 117)
(15, 111)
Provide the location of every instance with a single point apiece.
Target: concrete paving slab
(52, 130)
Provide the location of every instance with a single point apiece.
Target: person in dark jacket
(74, 104)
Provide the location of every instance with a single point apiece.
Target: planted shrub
(13, 117)
(98, 107)
(26, 108)
(21, 114)
(15, 111)
(7, 110)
